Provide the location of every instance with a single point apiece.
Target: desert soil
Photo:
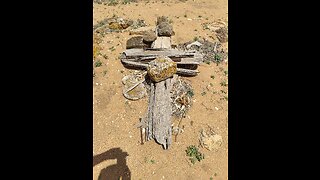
(115, 118)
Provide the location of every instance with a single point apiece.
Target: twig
(139, 82)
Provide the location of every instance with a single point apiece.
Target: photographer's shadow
(116, 171)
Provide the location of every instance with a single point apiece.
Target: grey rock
(149, 37)
(136, 42)
(165, 29)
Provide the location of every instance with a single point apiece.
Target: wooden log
(177, 60)
(151, 104)
(161, 121)
(134, 53)
(180, 71)
(187, 72)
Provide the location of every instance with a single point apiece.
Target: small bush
(98, 63)
(194, 154)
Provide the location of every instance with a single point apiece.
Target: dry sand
(115, 117)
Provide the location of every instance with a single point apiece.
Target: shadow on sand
(116, 171)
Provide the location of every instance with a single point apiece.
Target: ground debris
(211, 51)
(209, 139)
(117, 24)
(181, 96)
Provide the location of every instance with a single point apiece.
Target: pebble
(130, 136)
(216, 108)
(97, 84)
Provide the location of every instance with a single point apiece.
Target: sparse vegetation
(105, 72)
(217, 58)
(203, 93)
(194, 154)
(98, 63)
(113, 2)
(196, 38)
(105, 56)
(128, 1)
(112, 48)
(223, 83)
(190, 93)
(222, 91)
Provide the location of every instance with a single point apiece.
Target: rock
(222, 34)
(149, 37)
(162, 19)
(161, 68)
(115, 26)
(141, 30)
(136, 42)
(210, 142)
(165, 29)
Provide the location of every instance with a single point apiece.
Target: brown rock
(222, 34)
(136, 42)
(161, 68)
(149, 37)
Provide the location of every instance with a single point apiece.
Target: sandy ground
(115, 117)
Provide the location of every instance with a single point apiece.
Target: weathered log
(134, 53)
(143, 66)
(149, 129)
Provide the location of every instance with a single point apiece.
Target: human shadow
(116, 171)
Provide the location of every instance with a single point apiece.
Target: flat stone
(149, 37)
(141, 30)
(136, 42)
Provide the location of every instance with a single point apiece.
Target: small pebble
(97, 84)
(216, 108)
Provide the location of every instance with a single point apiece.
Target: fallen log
(143, 66)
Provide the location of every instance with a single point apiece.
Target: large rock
(136, 42)
(149, 37)
(165, 29)
(161, 68)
